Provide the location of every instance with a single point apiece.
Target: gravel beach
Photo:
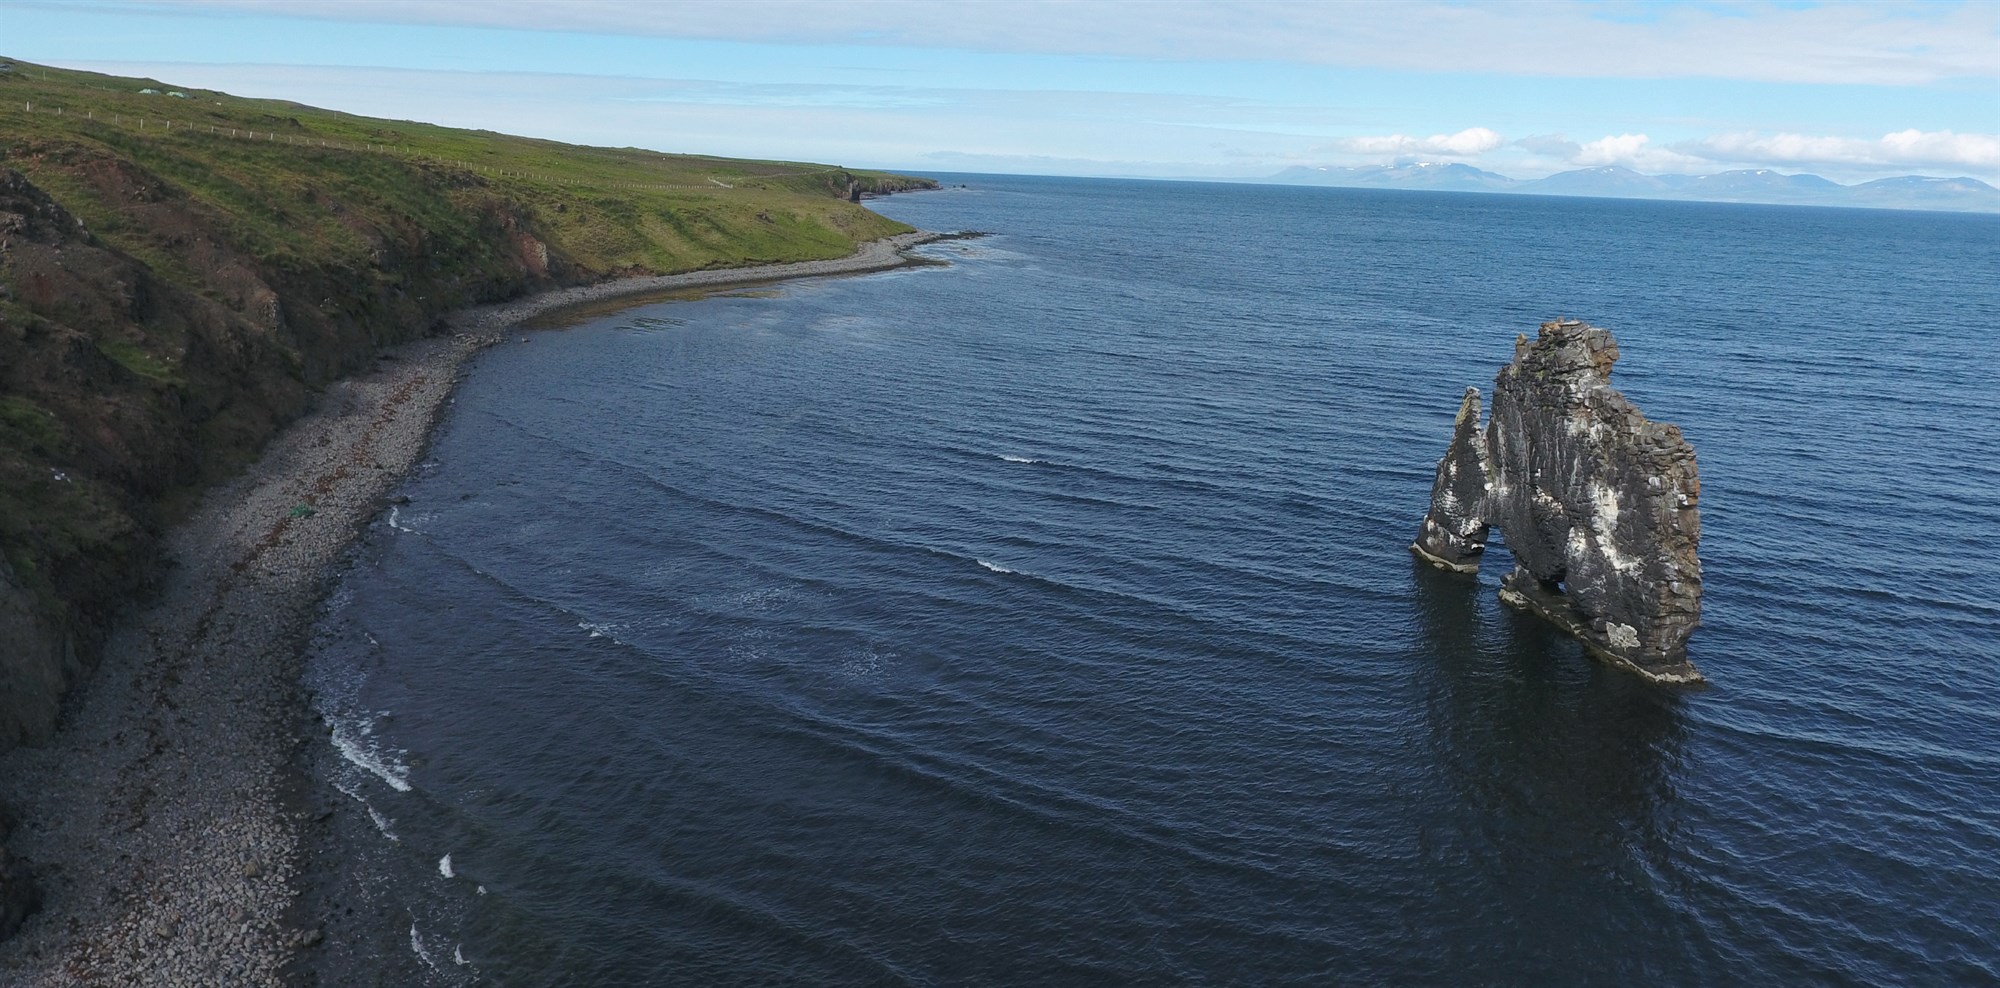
(168, 821)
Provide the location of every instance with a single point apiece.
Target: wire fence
(164, 126)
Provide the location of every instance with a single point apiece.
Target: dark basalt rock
(1599, 507)
(1454, 532)
(19, 896)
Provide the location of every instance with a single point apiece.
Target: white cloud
(1634, 151)
(1942, 149)
(1611, 150)
(1467, 143)
(1555, 145)
(1839, 158)
(1842, 43)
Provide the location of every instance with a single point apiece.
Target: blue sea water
(1046, 618)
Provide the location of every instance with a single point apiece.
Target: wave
(1011, 458)
(597, 629)
(444, 867)
(351, 739)
(995, 567)
(521, 594)
(654, 322)
(398, 522)
(423, 954)
(381, 822)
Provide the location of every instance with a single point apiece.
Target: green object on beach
(304, 511)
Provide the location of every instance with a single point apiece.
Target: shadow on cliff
(1557, 775)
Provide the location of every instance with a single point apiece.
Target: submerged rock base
(1599, 506)
(1520, 590)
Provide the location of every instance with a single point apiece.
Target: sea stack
(1599, 507)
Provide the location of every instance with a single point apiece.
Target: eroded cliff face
(126, 383)
(1599, 507)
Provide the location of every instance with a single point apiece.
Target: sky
(1155, 88)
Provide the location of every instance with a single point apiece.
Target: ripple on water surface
(1046, 618)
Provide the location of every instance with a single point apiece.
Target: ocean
(1045, 617)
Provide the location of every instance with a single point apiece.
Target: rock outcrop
(1599, 506)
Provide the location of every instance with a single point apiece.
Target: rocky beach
(169, 825)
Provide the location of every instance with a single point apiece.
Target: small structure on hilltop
(1599, 507)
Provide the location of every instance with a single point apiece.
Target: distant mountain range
(1747, 185)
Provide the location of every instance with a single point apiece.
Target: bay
(1046, 618)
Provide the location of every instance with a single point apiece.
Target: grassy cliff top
(609, 210)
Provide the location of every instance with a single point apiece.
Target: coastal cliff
(1599, 507)
(181, 277)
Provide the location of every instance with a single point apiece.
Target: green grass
(135, 359)
(606, 209)
(28, 425)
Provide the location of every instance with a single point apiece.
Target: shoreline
(171, 820)
(875, 255)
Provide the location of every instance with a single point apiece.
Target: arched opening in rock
(1564, 455)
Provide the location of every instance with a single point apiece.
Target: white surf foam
(417, 946)
(602, 630)
(381, 822)
(1020, 459)
(995, 567)
(351, 740)
(444, 867)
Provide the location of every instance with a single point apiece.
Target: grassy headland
(181, 269)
